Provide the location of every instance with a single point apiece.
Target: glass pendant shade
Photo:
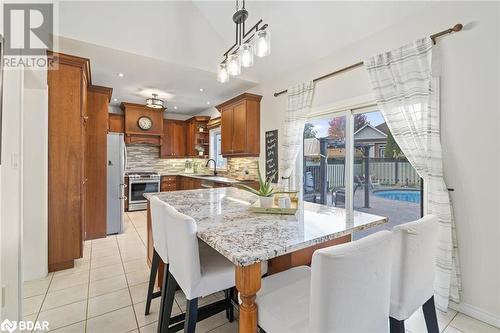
(154, 102)
(262, 43)
(222, 74)
(246, 55)
(233, 65)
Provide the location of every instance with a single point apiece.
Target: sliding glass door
(351, 161)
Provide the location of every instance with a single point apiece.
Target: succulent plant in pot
(265, 192)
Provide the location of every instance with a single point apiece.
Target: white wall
(35, 155)
(470, 126)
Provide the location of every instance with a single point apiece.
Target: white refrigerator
(117, 160)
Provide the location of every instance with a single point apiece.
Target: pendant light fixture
(154, 102)
(256, 41)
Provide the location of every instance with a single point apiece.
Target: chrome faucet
(215, 166)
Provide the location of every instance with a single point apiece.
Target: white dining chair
(160, 250)
(347, 289)
(197, 273)
(413, 270)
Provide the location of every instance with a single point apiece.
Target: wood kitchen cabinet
(168, 183)
(188, 183)
(67, 176)
(173, 142)
(96, 131)
(240, 126)
(197, 136)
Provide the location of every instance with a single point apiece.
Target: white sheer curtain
(299, 104)
(408, 97)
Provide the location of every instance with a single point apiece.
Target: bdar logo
(8, 326)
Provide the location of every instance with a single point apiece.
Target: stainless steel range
(139, 184)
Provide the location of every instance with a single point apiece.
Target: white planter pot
(266, 202)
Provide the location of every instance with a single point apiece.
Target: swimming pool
(400, 195)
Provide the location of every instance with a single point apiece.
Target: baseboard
(476, 313)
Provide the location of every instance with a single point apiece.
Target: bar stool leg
(167, 300)
(397, 326)
(152, 277)
(191, 315)
(430, 316)
(230, 310)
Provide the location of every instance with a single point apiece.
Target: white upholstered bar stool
(347, 289)
(197, 273)
(160, 250)
(413, 270)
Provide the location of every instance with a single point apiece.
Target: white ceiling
(174, 46)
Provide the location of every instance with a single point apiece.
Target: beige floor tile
(151, 328)
(132, 255)
(105, 252)
(135, 265)
(32, 305)
(138, 277)
(74, 328)
(211, 322)
(451, 329)
(107, 285)
(180, 298)
(68, 280)
(143, 320)
(108, 302)
(64, 315)
(80, 266)
(105, 261)
(139, 292)
(65, 296)
(106, 272)
(118, 321)
(226, 328)
(470, 325)
(36, 287)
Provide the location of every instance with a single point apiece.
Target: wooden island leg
(248, 280)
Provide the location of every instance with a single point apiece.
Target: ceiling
(173, 47)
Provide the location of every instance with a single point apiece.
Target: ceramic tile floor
(106, 292)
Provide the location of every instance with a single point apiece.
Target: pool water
(400, 195)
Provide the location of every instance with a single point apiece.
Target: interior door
(239, 128)
(227, 131)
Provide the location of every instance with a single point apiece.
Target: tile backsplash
(145, 158)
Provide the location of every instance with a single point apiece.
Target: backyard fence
(385, 172)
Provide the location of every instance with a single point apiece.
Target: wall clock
(144, 123)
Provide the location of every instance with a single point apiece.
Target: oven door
(137, 189)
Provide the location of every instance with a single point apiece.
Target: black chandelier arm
(241, 36)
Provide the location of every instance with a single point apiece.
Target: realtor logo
(28, 28)
(8, 326)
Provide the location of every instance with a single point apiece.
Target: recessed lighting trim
(115, 99)
(208, 102)
(121, 75)
(175, 107)
(201, 89)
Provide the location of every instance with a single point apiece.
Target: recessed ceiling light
(175, 107)
(121, 75)
(115, 99)
(201, 89)
(208, 102)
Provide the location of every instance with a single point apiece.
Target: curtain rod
(457, 27)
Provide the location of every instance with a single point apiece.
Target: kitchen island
(246, 238)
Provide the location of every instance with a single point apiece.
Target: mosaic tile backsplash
(145, 158)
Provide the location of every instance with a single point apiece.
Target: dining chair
(347, 289)
(413, 269)
(160, 250)
(197, 272)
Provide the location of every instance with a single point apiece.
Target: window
(352, 145)
(215, 148)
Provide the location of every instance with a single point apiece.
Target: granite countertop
(225, 223)
(208, 177)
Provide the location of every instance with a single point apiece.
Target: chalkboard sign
(272, 154)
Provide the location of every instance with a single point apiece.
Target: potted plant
(265, 192)
(200, 150)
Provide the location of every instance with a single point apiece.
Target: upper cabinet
(197, 136)
(173, 142)
(142, 124)
(240, 125)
